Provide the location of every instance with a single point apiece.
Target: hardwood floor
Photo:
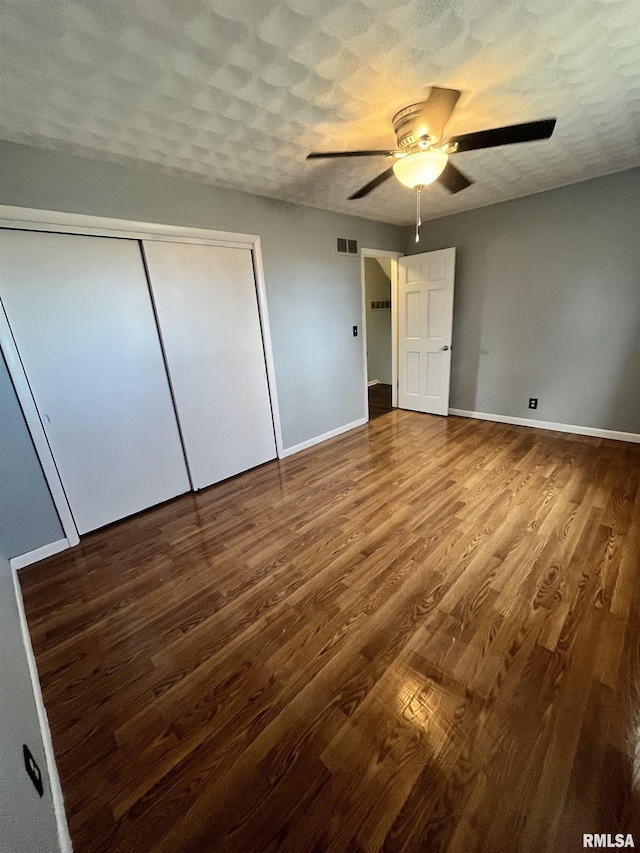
(423, 635)
(379, 400)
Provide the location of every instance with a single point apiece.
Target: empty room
(319, 426)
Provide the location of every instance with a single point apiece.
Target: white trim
(324, 437)
(37, 554)
(32, 418)
(266, 339)
(394, 332)
(381, 253)
(615, 435)
(363, 329)
(100, 226)
(64, 839)
(372, 383)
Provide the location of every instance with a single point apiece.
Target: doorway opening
(379, 286)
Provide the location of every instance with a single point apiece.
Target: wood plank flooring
(423, 635)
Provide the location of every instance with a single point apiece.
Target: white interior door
(207, 309)
(81, 314)
(425, 324)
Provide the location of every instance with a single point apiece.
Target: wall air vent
(346, 247)
(380, 305)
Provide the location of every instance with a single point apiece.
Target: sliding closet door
(81, 313)
(207, 308)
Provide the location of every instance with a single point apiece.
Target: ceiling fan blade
(438, 108)
(452, 179)
(320, 155)
(366, 189)
(528, 132)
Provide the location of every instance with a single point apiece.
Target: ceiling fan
(422, 155)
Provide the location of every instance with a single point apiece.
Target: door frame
(381, 253)
(28, 219)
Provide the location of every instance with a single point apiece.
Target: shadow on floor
(379, 400)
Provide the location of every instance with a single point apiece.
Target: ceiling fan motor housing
(411, 126)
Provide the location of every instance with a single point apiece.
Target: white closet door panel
(207, 308)
(81, 313)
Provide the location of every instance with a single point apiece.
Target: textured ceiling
(237, 92)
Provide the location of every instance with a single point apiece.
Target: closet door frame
(27, 219)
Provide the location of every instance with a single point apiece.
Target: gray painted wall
(313, 293)
(377, 286)
(28, 518)
(27, 822)
(547, 304)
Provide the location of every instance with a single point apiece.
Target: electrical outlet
(533, 402)
(32, 769)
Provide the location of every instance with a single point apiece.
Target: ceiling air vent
(346, 247)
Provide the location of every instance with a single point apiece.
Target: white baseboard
(576, 430)
(289, 451)
(373, 382)
(64, 838)
(34, 556)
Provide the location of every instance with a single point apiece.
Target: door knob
(444, 348)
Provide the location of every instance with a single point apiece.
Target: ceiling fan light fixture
(421, 168)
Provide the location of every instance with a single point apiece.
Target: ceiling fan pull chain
(418, 217)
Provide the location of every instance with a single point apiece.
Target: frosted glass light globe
(421, 168)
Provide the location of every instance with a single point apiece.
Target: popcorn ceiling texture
(236, 92)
